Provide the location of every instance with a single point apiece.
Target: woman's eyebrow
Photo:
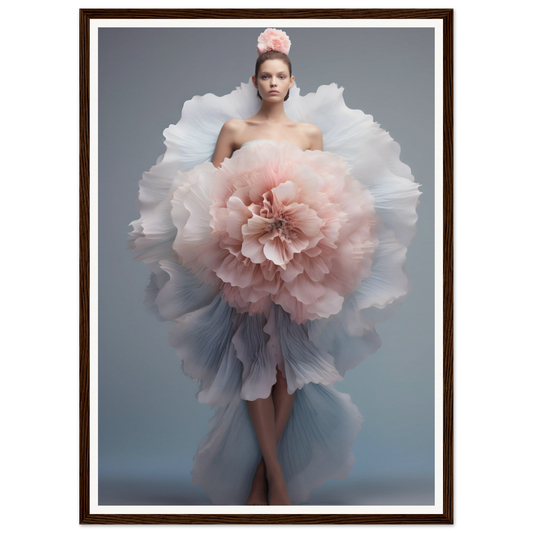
(280, 72)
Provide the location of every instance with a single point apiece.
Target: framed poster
(139, 421)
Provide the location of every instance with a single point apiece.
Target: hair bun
(272, 39)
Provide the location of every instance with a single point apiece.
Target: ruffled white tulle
(234, 354)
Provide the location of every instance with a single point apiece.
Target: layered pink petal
(277, 224)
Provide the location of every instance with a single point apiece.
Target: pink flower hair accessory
(273, 39)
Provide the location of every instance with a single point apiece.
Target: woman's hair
(273, 54)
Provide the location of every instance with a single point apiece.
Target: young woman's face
(273, 80)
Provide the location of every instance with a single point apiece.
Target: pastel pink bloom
(277, 224)
(272, 39)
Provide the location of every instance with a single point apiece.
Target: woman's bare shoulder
(310, 129)
(313, 135)
(236, 130)
(234, 125)
(228, 140)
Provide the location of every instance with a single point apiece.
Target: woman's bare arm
(226, 142)
(315, 137)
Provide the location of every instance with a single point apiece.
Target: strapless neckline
(263, 141)
(257, 141)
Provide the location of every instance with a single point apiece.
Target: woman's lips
(273, 92)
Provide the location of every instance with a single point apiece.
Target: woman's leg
(283, 402)
(269, 417)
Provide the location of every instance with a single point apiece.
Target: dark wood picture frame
(446, 15)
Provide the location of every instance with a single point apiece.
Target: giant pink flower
(277, 224)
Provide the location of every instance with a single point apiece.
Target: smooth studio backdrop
(150, 422)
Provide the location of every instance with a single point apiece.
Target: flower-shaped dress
(280, 258)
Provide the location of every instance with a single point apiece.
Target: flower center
(282, 224)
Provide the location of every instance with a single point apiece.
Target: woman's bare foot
(277, 489)
(259, 491)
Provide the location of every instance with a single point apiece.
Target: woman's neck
(272, 113)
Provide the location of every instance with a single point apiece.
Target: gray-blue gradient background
(150, 422)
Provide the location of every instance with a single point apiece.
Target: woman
(275, 260)
(273, 80)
